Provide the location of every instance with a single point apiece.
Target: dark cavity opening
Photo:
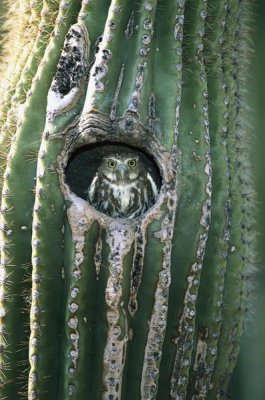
(87, 162)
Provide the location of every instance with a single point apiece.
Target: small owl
(123, 186)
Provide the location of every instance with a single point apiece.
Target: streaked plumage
(123, 186)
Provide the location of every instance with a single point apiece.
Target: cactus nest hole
(84, 162)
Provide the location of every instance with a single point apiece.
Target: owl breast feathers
(123, 186)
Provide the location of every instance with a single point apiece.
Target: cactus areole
(147, 307)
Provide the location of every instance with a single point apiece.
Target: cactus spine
(150, 308)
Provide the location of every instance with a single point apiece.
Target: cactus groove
(153, 307)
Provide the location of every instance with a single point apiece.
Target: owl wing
(92, 190)
(153, 187)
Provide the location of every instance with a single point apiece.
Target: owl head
(122, 167)
(123, 185)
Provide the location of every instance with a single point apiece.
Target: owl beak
(121, 169)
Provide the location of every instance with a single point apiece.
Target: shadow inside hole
(84, 162)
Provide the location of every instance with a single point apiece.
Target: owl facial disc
(122, 169)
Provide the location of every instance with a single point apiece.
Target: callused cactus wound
(72, 71)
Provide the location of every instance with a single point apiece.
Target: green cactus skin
(149, 308)
(16, 212)
(43, 17)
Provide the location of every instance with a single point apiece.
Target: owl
(123, 185)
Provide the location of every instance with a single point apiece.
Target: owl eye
(132, 163)
(111, 164)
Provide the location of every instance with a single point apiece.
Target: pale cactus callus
(149, 308)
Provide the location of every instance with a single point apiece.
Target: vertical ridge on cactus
(42, 21)
(153, 307)
(16, 214)
(218, 241)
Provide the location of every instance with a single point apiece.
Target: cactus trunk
(153, 307)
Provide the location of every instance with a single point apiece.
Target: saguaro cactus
(95, 307)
